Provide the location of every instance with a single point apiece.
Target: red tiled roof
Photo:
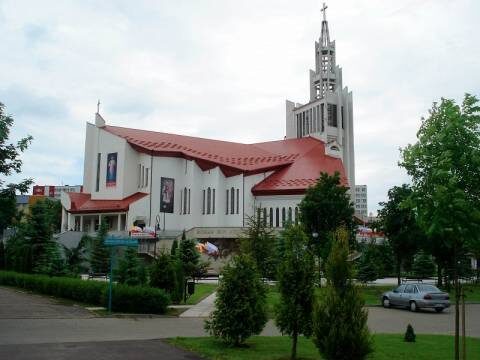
(83, 203)
(296, 163)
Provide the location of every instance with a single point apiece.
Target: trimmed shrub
(136, 299)
(409, 334)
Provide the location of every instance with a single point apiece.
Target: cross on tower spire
(324, 10)
(98, 106)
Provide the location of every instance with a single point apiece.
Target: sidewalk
(202, 309)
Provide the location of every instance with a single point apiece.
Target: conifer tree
(340, 321)
(129, 270)
(423, 266)
(188, 256)
(163, 275)
(367, 266)
(240, 306)
(100, 255)
(293, 315)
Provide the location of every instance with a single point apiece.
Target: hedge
(134, 299)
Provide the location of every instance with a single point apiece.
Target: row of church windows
(143, 176)
(209, 203)
(231, 204)
(271, 216)
(312, 120)
(184, 201)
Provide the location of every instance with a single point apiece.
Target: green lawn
(388, 347)
(201, 292)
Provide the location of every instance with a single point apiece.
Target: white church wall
(88, 162)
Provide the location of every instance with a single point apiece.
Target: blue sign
(119, 241)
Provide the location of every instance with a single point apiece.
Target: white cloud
(223, 69)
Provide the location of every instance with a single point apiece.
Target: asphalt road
(45, 327)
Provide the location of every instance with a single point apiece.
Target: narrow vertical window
(232, 201)
(213, 201)
(289, 215)
(271, 217)
(283, 217)
(189, 201)
(264, 217)
(277, 217)
(203, 202)
(142, 182)
(181, 195)
(226, 207)
(139, 176)
(97, 180)
(296, 215)
(185, 200)
(238, 201)
(209, 200)
(322, 116)
(146, 176)
(343, 126)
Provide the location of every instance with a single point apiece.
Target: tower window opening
(332, 115)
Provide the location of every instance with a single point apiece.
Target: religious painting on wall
(167, 186)
(112, 170)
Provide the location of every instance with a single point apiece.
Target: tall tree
(10, 163)
(129, 269)
(340, 319)
(325, 207)
(100, 255)
(259, 243)
(188, 256)
(293, 314)
(398, 222)
(444, 165)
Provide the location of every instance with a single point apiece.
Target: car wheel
(413, 306)
(439, 309)
(386, 302)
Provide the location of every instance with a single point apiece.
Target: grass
(387, 347)
(201, 292)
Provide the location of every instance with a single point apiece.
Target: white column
(69, 221)
(81, 222)
(92, 224)
(64, 219)
(119, 222)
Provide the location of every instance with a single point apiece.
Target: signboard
(112, 170)
(51, 191)
(118, 241)
(38, 190)
(167, 190)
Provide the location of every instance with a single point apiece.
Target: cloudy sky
(223, 69)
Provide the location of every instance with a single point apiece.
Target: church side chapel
(156, 185)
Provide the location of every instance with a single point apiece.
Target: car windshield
(428, 288)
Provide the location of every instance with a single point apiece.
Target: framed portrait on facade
(167, 191)
(112, 170)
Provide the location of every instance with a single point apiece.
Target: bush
(166, 273)
(138, 299)
(240, 307)
(409, 334)
(125, 298)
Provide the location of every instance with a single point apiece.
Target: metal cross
(323, 9)
(98, 107)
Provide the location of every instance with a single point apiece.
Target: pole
(164, 222)
(464, 344)
(110, 283)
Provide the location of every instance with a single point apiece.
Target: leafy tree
(397, 220)
(340, 321)
(8, 210)
(368, 264)
(293, 314)
(129, 271)
(18, 252)
(2, 256)
(75, 258)
(259, 243)
(423, 266)
(54, 209)
(325, 207)
(100, 255)
(188, 256)
(444, 165)
(240, 306)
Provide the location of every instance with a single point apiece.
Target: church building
(209, 188)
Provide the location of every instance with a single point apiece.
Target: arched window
(277, 217)
(290, 215)
(271, 217)
(209, 200)
(213, 201)
(203, 202)
(283, 217)
(226, 207)
(296, 215)
(264, 217)
(185, 200)
(232, 201)
(238, 201)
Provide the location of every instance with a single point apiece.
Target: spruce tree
(188, 256)
(100, 255)
(240, 306)
(409, 334)
(367, 265)
(340, 321)
(174, 248)
(423, 266)
(2, 256)
(129, 270)
(163, 275)
(293, 315)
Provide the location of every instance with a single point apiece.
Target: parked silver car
(415, 296)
